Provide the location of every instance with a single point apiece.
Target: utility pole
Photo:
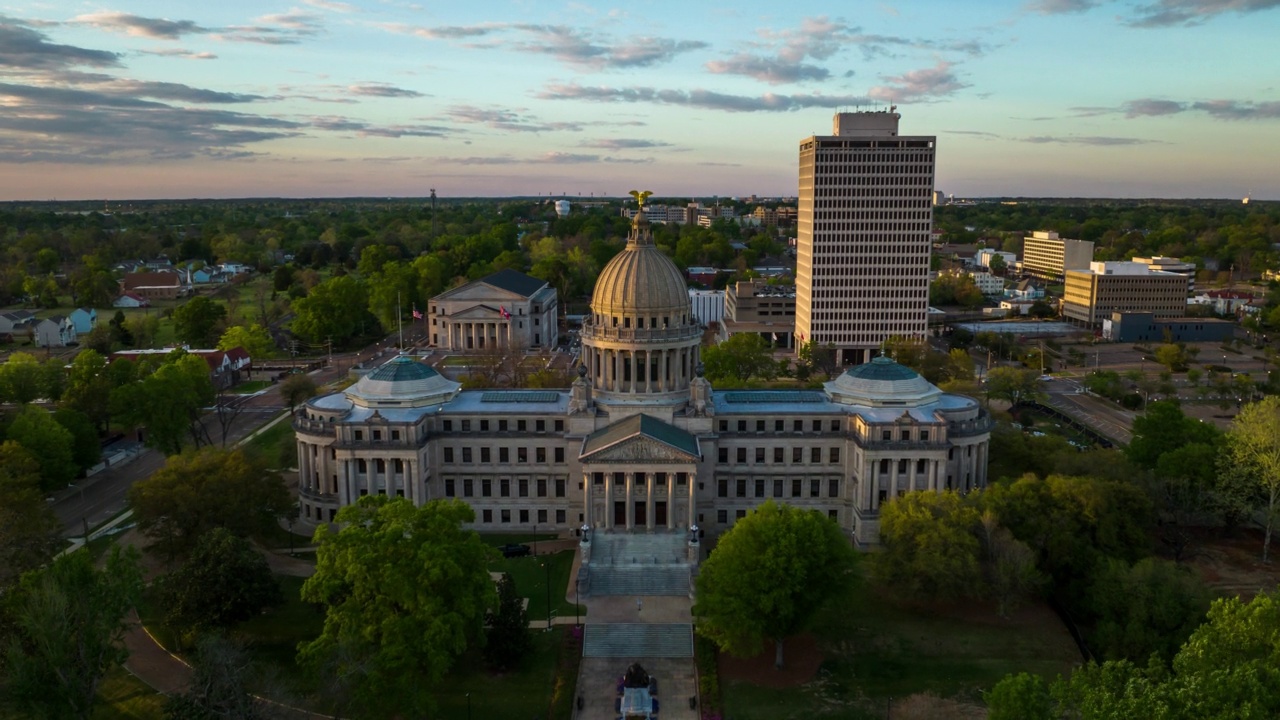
(434, 232)
(329, 342)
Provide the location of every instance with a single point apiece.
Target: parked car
(514, 550)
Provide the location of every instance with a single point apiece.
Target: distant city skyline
(321, 98)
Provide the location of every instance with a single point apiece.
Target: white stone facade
(507, 309)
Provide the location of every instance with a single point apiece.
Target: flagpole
(399, 321)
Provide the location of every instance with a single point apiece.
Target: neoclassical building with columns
(641, 441)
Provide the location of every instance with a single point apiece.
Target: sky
(325, 98)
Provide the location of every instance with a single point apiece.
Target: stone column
(411, 485)
(344, 484)
(648, 509)
(586, 499)
(693, 496)
(873, 485)
(671, 500)
(631, 508)
(608, 500)
(893, 478)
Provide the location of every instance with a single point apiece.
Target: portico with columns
(640, 474)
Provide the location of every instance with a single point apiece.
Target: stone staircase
(640, 580)
(658, 548)
(638, 640)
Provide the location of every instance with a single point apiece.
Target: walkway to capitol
(637, 589)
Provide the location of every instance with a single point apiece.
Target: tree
(1254, 439)
(89, 387)
(297, 389)
(741, 358)
(405, 590)
(1010, 567)
(253, 338)
(220, 686)
(930, 549)
(224, 581)
(1149, 607)
(769, 576)
(204, 489)
(197, 322)
(1163, 428)
(169, 402)
(24, 379)
(86, 451)
(997, 265)
(508, 628)
(67, 627)
(1016, 385)
(336, 309)
(1173, 356)
(49, 443)
(1020, 697)
(29, 532)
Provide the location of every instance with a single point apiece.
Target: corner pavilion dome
(882, 383)
(640, 282)
(403, 382)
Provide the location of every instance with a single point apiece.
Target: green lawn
(524, 693)
(251, 386)
(277, 445)
(530, 575)
(121, 696)
(877, 648)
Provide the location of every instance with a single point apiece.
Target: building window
(833, 487)
(485, 455)
(777, 454)
(815, 487)
(542, 487)
(466, 426)
(924, 436)
(759, 426)
(742, 455)
(559, 426)
(486, 487)
(835, 426)
(905, 435)
(759, 455)
(722, 488)
(739, 514)
(504, 487)
(834, 515)
(522, 486)
(920, 465)
(835, 455)
(540, 425)
(724, 426)
(504, 455)
(524, 517)
(359, 434)
(466, 454)
(506, 516)
(560, 517)
(448, 455)
(542, 516)
(395, 434)
(886, 435)
(797, 455)
(815, 455)
(484, 426)
(902, 466)
(741, 488)
(722, 454)
(682, 479)
(597, 478)
(742, 426)
(817, 426)
(722, 517)
(777, 488)
(522, 454)
(797, 426)
(468, 487)
(446, 426)
(759, 487)
(795, 487)
(502, 426)
(560, 483)
(487, 515)
(522, 425)
(540, 455)
(448, 487)
(559, 455)
(777, 425)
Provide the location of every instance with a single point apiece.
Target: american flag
(417, 314)
(503, 310)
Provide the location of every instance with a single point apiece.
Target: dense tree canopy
(49, 443)
(29, 532)
(198, 322)
(740, 359)
(222, 582)
(168, 401)
(769, 575)
(405, 590)
(1254, 440)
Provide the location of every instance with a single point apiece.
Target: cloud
(769, 102)
(1164, 13)
(364, 129)
(447, 32)
(625, 144)
(575, 47)
(1147, 107)
(334, 6)
(288, 28)
(1238, 110)
(1085, 140)
(507, 120)
(974, 133)
(382, 90)
(180, 53)
(1061, 7)
(23, 48)
(139, 26)
(772, 70)
(935, 82)
(174, 91)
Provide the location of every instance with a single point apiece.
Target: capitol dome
(641, 285)
(403, 382)
(882, 383)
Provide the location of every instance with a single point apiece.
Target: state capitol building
(641, 441)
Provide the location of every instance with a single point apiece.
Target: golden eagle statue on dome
(641, 196)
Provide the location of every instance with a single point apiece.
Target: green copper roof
(403, 369)
(650, 427)
(882, 368)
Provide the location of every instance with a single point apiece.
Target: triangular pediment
(482, 292)
(478, 312)
(640, 448)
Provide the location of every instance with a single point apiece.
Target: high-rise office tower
(865, 222)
